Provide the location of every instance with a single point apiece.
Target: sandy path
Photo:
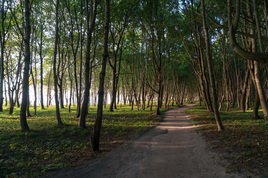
(172, 149)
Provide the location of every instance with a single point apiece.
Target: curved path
(171, 149)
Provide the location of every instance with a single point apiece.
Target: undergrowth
(243, 142)
(47, 147)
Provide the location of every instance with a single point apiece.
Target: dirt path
(172, 149)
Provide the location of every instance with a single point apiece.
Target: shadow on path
(171, 149)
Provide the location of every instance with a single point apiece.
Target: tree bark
(25, 83)
(41, 68)
(34, 85)
(243, 95)
(260, 89)
(95, 138)
(90, 27)
(60, 124)
(210, 70)
(60, 85)
(256, 65)
(3, 43)
(49, 90)
(260, 57)
(182, 96)
(255, 114)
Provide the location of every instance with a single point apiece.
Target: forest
(76, 65)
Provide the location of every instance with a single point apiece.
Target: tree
(25, 82)
(90, 26)
(60, 124)
(261, 57)
(210, 70)
(41, 63)
(5, 27)
(117, 31)
(95, 137)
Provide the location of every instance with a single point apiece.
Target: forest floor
(171, 149)
(47, 148)
(243, 143)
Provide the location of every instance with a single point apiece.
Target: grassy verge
(47, 147)
(244, 142)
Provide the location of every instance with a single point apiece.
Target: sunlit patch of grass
(48, 147)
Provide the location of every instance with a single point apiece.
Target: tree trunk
(60, 124)
(182, 96)
(61, 92)
(260, 89)
(34, 85)
(260, 57)
(255, 114)
(152, 102)
(76, 89)
(48, 90)
(210, 70)
(70, 97)
(2, 41)
(243, 96)
(25, 83)
(41, 69)
(248, 92)
(95, 138)
(2, 69)
(113, 97)
(71, 88)
(237, 72)
(90, 27)
(5, 92)
(256, 66)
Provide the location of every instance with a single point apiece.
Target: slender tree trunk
(80, 76)
(210, 70)
(204, 82)
(25, 83)
(60, 124)
(48, 89)
(76, 89)
(113, 97)
(152, 102)
(182, 96)
(243, 96)
(118, 97)
(2, 71)
(248, 92)
(10, 86)
(71, 86)
(199, 95)
(95, 138)
(70, 97)
(256, 66)
(90, 27)
(255, 114)
(5, 91)
(60, 85)
(2, 41)
(41, 69)
(237, 82)
(34, 85)
(260, 89)
(159, 99)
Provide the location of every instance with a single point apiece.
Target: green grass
(242, 135)
(48, 147)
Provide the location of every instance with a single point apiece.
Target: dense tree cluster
(136, 52)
